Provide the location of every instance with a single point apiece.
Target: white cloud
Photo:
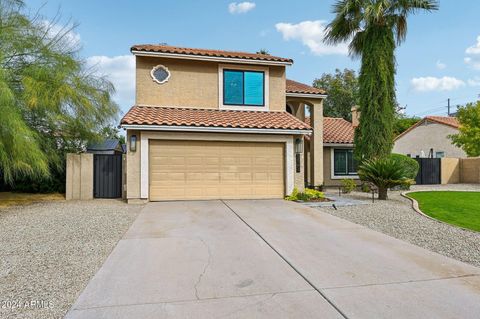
(473, 62)
(474, 82)
(474, 49)
(242, 7)
(311, 34)
(429, 83)
(120, 70)
(473, 59)
(440, 65)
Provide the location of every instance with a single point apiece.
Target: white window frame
(332, 164)
(155, 68)
(266, 84)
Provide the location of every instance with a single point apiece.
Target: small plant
(348, 185)
(307, 195)
(384, 173)
(293, 196)
(366, 188)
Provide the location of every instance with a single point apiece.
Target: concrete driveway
(271, 259)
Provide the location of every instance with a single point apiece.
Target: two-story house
(211, 124)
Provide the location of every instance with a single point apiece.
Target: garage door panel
(213, 170)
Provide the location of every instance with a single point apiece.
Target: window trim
(244, 68)
(332, 165)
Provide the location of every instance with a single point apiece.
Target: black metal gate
(429, 171)
(107, 176)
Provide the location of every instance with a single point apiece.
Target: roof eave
(208, 58)
(214, 129)
(307, 95)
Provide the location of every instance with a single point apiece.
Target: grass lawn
(11, 199)
(456, 208)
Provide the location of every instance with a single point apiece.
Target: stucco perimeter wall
(427, 136)
(79, 184)
(460, 170)
(134, 159)
(450, 170)
(470, 170)
(195, 84)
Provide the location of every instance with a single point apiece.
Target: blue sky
(439, 60)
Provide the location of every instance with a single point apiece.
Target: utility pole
(448, 106)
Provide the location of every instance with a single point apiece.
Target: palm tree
(374, 28)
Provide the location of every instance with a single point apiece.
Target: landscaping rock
(51, 250)
(395, 217)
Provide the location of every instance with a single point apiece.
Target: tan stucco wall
(133, 167)
(470, 170)
(79, 177)
(134, 158)
(450, 170)
(427, 136)
(195, 84)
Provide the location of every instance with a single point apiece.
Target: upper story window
(160, 74)
(242, 87)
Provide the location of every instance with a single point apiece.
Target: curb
(417, 209)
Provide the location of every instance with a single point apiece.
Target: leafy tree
(374, 28)
(403, 123)
(342, 88)
(468, 137)
(50, 103)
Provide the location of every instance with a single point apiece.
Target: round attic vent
(160, 74)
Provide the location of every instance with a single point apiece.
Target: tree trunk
(382, 193)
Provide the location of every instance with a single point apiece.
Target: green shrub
(348, 185)
(411, 165)
(307, 195)
(366, 188)
(384, 173)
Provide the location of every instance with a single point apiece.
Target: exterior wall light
(298, 146)
(133, 143)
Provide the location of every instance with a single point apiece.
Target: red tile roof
(445, 120)
(336, 130)
(297, 87)
(173, 116)
(208, 53)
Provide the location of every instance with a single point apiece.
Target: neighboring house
(107, 147)
(211, 124)
(429, 138)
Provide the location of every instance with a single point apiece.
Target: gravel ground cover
(396, 218)
(50, 250)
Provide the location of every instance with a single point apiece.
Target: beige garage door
(215, 170)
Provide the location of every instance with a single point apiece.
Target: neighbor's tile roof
(208, 53)
(336, 130)
(445, 120)
(174, 116)
(297, 87)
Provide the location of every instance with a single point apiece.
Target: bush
(307, 195)
(366, 188)
(384, 173)
(348, 185)
(411, 165)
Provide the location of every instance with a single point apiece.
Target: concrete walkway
(271, 259)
